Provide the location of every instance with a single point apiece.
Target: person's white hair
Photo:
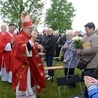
(69, 32)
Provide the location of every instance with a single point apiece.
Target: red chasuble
(6, 55)
(0, 52)
(21, 62)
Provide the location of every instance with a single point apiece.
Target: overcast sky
(86, 11)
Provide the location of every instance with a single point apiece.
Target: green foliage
(60, 15)
(10, 10)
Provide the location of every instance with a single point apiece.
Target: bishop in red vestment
(28, 71)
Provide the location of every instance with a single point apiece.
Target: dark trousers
(49, 61)
(71, 71)
(58, 51)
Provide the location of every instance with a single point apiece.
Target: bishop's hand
(34, 36)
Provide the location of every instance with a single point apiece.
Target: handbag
(82, 64)
(62, 57)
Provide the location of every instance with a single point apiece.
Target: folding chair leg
(81, 88)
(59, 92)
(64, 87)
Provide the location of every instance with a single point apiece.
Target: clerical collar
(11, 34)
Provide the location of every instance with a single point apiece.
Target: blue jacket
(93, 91)
(70, 55)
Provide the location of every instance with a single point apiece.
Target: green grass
(6, 90)
(51, 90)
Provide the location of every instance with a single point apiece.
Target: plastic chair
(62, 81)
(93, 73)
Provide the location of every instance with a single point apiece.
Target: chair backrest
(68, 80)
(92, 73)
(62, 81)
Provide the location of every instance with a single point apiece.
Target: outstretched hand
(40, 46)
(90, 81)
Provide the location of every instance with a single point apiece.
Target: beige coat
(88, 52)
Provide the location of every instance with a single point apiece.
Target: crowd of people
(21, 64)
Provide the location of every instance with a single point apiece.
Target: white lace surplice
(6, 76)
(30, 92)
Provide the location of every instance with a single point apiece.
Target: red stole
(0, 52)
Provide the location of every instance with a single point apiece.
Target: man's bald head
(3, 28)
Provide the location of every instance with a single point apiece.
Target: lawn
(51, 90)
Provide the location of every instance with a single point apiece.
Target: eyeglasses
(30, 28)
